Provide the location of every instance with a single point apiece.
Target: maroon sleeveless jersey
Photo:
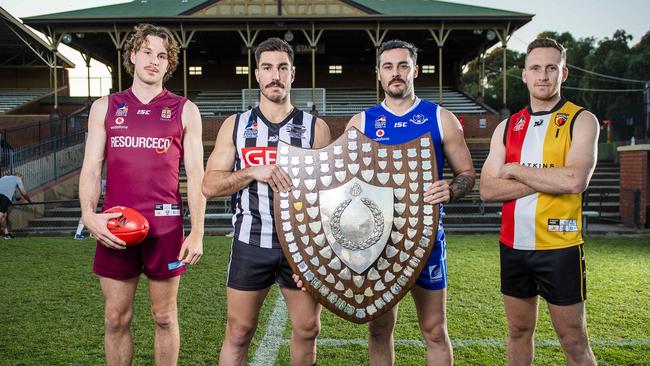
(144, 148)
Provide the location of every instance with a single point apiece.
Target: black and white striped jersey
(256, 140)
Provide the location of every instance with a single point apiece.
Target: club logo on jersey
(250, 132)
(159, 144)
(254, 156)
(538, 123)
(380, 133)
(560, 119)
(380, 122)
(296, 131)
(166, 113)
(122, 110)
(419, 119)
(521, 122)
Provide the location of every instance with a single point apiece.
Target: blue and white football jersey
(384, 126)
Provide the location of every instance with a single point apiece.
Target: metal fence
(41, 169)
(57, 149)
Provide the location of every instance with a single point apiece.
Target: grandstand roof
(20, 46)
(176, 8)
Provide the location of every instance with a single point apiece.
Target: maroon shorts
(150, 257)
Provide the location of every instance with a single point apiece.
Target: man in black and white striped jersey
(243, 161)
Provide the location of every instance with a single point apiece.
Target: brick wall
(634, 173)
(472, 125)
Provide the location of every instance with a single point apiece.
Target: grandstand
(333, 102)
(12, 98)
(217, 37)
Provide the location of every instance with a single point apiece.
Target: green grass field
(52, 309)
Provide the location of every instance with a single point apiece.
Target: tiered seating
(344, 102)
(468, 216)
(12, 98)
(352, 101)
(219, 103)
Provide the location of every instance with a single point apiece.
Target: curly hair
(139, 38)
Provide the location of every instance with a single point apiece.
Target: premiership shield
(355, 227)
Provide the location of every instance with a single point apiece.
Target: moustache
(275, 83)
(396, 80)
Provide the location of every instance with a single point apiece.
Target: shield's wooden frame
(412, 236)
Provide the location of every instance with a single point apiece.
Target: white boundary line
(272, 340)
(267, 351)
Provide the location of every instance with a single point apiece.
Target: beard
(400, 92)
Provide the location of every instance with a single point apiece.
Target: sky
(595, 18)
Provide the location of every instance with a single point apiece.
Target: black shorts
(253, 268)
(558, 275)
(4, 203)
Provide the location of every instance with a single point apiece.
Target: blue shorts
(434, 273)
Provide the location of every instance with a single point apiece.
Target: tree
(586, 59)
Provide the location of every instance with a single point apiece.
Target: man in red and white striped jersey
(541, 160)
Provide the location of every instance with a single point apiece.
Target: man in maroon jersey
(143, 133)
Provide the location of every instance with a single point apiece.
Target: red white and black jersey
(256, 140)
(144, 148)
(541, 140)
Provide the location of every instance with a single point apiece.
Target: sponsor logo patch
(562, 225)
(159, 144)
(538, 123)
(167, 209)
(521, 122)
(122, 110)
(255, 156)
(380, 122)
(144, 112)
(380, 133)
(250, 132)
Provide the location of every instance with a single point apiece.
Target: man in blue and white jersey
(402, 117)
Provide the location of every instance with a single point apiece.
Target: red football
(131, 227)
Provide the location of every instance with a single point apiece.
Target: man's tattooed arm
(461, 185)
